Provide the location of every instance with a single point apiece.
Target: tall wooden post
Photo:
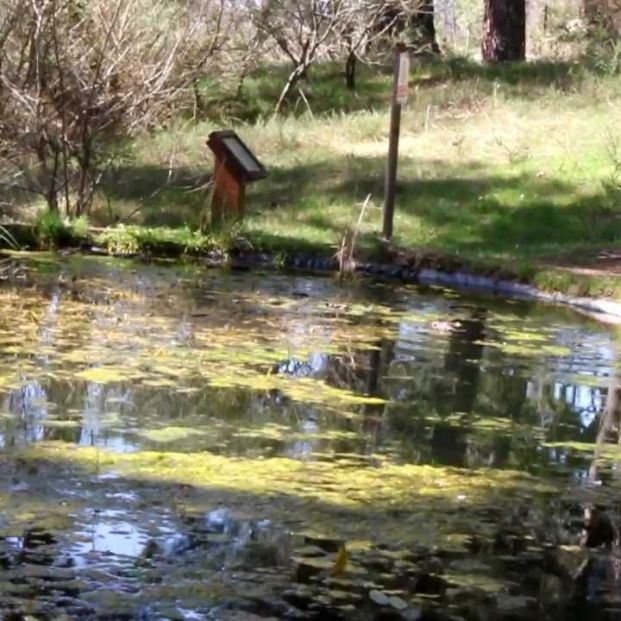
(399, 96)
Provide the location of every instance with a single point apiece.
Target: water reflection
(110, 533)
(244, 365)
(28, 407)
(439, 370)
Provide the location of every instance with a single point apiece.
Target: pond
(178, 442)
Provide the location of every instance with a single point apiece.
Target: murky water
(183, 443)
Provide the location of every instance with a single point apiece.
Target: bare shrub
(77, 75)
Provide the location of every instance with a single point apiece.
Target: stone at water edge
(397, 603)
(379, 598)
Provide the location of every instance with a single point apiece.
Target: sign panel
(230, 150)
(403, 78)
(244, 157)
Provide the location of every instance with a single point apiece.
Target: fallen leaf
(341, 561)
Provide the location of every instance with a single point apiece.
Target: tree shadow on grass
(307, 207)
(152, 196)
(158, 196)
(325, 92)
(542, 73)
(453, 208)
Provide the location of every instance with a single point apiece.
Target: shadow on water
(180, 443)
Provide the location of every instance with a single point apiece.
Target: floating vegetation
(175, 439)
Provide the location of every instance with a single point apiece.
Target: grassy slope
(517, 165)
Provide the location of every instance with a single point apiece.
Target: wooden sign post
(399, 97)
(235, 166)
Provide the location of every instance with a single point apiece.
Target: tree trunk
(350, 71)
(425, 29)
(198, 104)
(294, 77)
(608, 423)
(462, 359)
(504, 31)
(81, 200)
(52, 192)
(43, 151)
(416, 27)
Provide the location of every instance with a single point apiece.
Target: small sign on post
(399, 97)
(403, 78)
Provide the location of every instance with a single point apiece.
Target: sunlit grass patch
(158, 241)
(515, 165)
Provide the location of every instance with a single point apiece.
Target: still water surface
(183, 443)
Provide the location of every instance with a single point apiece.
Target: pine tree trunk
(504, 31)
(426, 28)
(416, 26)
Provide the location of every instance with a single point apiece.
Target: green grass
(323, 89)
(161, 241)
(52, 231)
(516, 166)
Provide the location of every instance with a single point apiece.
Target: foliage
(159, 241)
(604, 53)
(80, 226)
(7, 239)
(52, 229)
(79, 77)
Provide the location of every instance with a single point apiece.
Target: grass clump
(160, 241)
(7, 239)
(52, 230)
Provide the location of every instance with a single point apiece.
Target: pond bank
(417, 267)
(463, 279)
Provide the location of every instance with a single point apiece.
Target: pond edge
(604, 309)
(425, 269)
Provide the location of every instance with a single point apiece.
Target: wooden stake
(393, 150)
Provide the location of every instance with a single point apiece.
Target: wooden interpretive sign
(235, 165)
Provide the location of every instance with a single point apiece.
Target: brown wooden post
(218, 199)
(393, 146)
(228, 196)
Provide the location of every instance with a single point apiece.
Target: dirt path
(604, 263)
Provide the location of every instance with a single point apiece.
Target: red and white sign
(403, 78)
